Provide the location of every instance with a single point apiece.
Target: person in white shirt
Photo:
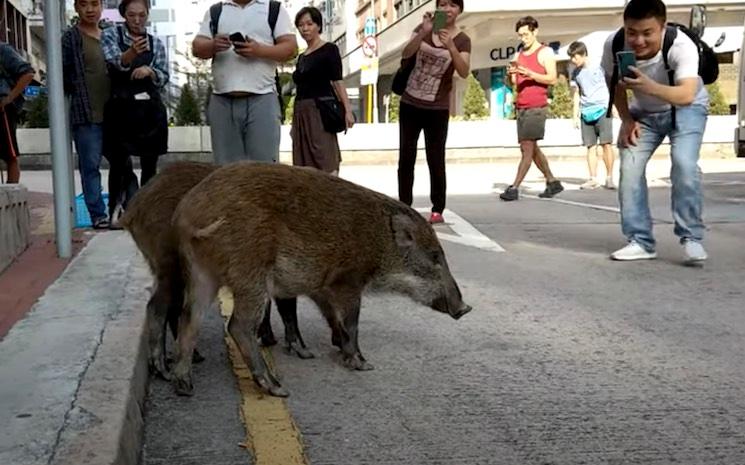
(244, 111)
(663, 105)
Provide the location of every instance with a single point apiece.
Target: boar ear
(403, 230)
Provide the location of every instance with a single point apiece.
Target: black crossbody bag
(333, 115)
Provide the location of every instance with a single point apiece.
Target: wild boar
(279, 231)
(148, 220)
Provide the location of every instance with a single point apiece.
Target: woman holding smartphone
(135, 121)
(318, 75)
(439, 50)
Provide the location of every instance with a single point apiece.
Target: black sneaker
(509, 194)
(552, 188)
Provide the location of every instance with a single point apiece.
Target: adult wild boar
(278, 231)
(148, 220)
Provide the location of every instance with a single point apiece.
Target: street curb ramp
(73, 373)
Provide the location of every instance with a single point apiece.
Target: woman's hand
(446, 38)
(349, 117)
(427, 23)
(143, 72)
(140, 45)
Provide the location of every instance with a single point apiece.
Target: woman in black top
(318, 74)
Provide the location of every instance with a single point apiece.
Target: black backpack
(274, 6)
(708, 66)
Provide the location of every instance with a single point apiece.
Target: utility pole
(61, 166)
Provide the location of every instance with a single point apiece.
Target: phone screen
(626, 59)
(440, 20)
(237, 37)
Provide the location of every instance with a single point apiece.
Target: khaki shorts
(531, 123)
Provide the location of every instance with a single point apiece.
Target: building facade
(490, 24)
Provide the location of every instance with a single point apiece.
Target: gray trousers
(245, 128)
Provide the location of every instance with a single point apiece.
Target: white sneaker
(694, 252)
(589, 185)
(609, 183)
(633, 251)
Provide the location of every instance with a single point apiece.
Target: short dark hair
(125, 3)
(458, 3)
(529, 21)
(577, 48)
(315, 16)
(643, 9)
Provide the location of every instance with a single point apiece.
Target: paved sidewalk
(73, 372)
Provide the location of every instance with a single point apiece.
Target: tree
(187, 112)
(394, 103)
(37, 111)
(475, 106)
(561, 100)
(717, 104)
(199, 76)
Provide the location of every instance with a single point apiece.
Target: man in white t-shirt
(657, 110)
(244, 111)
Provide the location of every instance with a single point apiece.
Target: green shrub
(561, 100)
(475, 106)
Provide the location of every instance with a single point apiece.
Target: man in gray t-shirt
(590, 95)
(674, 106)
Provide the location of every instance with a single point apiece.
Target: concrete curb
(106, 423)
(73, 373)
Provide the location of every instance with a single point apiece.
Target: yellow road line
(271, 433)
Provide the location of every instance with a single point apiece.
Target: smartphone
(237, 37)
(625, 59)
(439, 20)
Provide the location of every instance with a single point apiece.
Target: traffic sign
(371, 27)
(370, 46)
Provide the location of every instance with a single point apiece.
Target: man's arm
(575, 102)
(681, 94)
(17, 90)
(204, 47)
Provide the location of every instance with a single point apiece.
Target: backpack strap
(671, 32)
(619, 41)
(215, 12)
(273, 16)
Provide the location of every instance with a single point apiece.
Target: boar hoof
(196, 357)
(357, 363)
(268, 339)
(272, 388)
(301, 352)
(184, 387)
(158, 367)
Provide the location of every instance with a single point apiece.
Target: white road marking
(577, 204)
(465, 233)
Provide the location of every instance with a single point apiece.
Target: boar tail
(208, 230)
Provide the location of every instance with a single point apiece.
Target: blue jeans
(89, 145)
(686, 196)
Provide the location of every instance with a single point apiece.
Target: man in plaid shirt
(88, 85)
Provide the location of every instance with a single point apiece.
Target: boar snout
(441, 304)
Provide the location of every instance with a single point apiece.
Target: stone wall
(15, 223)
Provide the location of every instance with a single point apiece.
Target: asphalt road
(567, 357)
